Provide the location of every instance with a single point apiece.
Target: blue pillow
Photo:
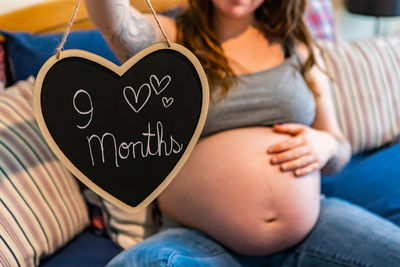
(27, 52)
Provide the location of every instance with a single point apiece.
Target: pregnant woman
(250, 192)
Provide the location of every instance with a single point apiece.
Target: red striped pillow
(367, 89)
(41, 207)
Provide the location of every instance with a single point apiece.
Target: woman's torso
(228, 184)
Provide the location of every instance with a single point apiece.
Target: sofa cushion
(26, 52)
(319, 19)
(40, 202)
(366, 89)
(123, 228)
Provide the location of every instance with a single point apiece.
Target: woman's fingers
(291, 154)
(287, 144)
(308, 169)
(289, 128)
(298, 163)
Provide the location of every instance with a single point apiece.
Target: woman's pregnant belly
(229, 190)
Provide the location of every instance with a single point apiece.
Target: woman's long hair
(278, 19)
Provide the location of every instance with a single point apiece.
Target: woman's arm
(322, 147)
(325, 118)
(125, 29)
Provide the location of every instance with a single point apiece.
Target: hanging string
(158, 22)
(68, 29)
(75, 12)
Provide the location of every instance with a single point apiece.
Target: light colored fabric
(41, 207)
(127, 229)
(123, 228)
(366, 93)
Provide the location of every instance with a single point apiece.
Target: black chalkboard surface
(124, 131)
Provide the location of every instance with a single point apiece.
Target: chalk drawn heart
(136, 105)
(88, 111)
(167, 101)
(159, 86)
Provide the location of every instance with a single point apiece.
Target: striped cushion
(41, 207)
(367, 89)
(123, 228)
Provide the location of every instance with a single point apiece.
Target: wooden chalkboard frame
(120, 70)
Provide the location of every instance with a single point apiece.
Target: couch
(46, 220)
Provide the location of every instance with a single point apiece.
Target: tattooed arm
(125, 29)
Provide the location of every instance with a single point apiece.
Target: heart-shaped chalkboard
(124, 131)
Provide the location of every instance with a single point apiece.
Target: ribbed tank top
(273, 96)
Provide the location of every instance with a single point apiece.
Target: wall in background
(10, 5)
(352, 27)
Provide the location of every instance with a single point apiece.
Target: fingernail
(273, 160)
(283, 167)
(297, 173)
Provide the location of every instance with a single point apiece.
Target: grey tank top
(273, 96)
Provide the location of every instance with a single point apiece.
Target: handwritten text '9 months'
(152, 143)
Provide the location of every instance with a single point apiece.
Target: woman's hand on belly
(229, 190)
(305, 151)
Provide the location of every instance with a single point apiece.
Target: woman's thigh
(345, 235)
(176, 247)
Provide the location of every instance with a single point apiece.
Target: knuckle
(307, 159)
(298, 150)
(301, 139)
(315, 166)
(306, 149)
(291, 153)
(281, 146)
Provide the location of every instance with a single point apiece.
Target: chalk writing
(136, 105)
(121, 150)
(90, 111)
(159, 86)
(105, 146)
(167, 101)
(138, 101)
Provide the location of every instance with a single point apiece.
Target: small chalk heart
(159, 86)
(136, 105)
(167, 101)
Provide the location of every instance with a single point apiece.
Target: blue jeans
(345, 235)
